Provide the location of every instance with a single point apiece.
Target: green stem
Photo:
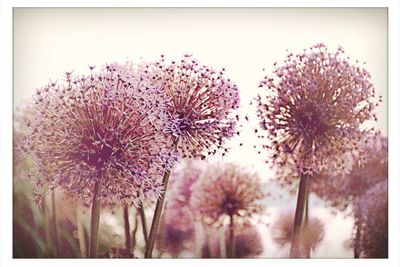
(299, 215)
(231, 237)
(144, 224)
(94, 221)
(308, 249)
(128, 244)
(156, 218)
(54, 229)
(157, 213)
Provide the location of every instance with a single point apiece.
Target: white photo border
(6, 100)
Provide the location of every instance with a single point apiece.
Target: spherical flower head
(203, 106)
(312, 108)
(105, 125)
(369, 167)
(371, 216)
(225, 191)
(248, 242)
(310, 237)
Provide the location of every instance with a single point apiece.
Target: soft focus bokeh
(49, 41)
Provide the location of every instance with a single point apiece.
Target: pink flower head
(227, 190)
(104, 125)
(312, 108)
(202, 108)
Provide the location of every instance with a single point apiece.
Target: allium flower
(312, 110)
(311, 236)
(370, 168)
(247, 243)
(106, 125)
(226, 191)
(371, 214)
(202, 108)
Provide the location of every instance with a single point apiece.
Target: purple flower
(107, 124)
(225, 191)
(202, 108)
(312, 108)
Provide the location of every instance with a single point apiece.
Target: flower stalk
(157, 212)
(128, 243)
(231, 237)
(299, 215)
(95, 221)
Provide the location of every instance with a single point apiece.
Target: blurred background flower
(311, 236)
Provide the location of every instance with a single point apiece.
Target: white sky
(244, 41)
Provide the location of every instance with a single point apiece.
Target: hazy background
(49, 41)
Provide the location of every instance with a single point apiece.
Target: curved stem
(299, 215)
(157, 213)
(128, 244)
(94, 221)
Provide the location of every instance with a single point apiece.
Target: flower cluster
(371, 217)
(202, 108)
(312, 109)
(226, 191)
(311, 236)
(105, 125)
(369, 168)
